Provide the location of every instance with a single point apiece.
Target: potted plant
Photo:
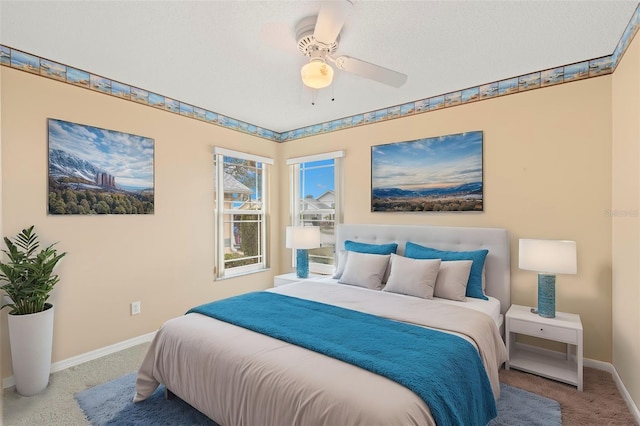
(29, 280)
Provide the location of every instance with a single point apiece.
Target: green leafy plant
(28, 273)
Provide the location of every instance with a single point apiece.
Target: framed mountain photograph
(438, 174)
(99, 171)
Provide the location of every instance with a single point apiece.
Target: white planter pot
(31, 340)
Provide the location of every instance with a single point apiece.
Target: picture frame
(435, 174)
(98, 171)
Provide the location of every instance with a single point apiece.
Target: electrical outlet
(136, 308)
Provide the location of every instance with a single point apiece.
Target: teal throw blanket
(443, 369)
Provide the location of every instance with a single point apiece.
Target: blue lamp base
(302, 263)
(547, 295)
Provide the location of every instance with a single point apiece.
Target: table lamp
(547, 257)
(302, 238)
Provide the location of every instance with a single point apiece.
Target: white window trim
(242, 155)
(316, 157)
(294, 185)
(220, 271)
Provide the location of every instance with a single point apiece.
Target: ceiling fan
(318, 38)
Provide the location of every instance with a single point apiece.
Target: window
(316, 192)
(240, 193)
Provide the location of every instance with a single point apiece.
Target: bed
(238, 376)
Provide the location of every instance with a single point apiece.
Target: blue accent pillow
(474, 285)
(370, 248)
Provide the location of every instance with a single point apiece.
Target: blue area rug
(110, 404)
(517, 407)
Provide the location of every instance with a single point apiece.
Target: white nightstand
(565, 328)
(291, 277)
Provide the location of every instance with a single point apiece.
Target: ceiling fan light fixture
(317, 74)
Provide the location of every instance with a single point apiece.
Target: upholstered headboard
(496, 240)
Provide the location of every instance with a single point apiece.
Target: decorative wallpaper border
(20, 60)
(23, 61)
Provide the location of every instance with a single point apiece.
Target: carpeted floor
(56, 405)
(599, 404)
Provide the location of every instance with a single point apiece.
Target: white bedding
(238, 377)
(490, 307)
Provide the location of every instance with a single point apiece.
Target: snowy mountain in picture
(466, 189)
(64, 164)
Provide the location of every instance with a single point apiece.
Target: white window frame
(220, 212)
(294, 197)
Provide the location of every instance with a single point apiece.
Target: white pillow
(413, 277)
(341, 260)
(452, 280)
(364, 270)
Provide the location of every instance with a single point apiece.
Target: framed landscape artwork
(438, 174)
(99, 171)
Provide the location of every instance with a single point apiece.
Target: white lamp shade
(317, 74)
(550, 256)
(302, 237)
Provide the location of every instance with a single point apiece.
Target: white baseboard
(89, 356)
(598, 365)
(621, 388)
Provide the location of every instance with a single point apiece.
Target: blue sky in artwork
(127, 157)
(428, 163)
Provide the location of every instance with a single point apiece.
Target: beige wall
(164, 260)
(547, 174)
(626, 222)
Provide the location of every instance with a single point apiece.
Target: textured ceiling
(239, 58)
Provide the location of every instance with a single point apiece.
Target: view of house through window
(240, 215)
(316, 203)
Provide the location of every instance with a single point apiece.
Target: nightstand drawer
(544, 331)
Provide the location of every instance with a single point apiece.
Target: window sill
(241, 274)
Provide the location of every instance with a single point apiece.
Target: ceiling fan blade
(331, 19)
(371, 71)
